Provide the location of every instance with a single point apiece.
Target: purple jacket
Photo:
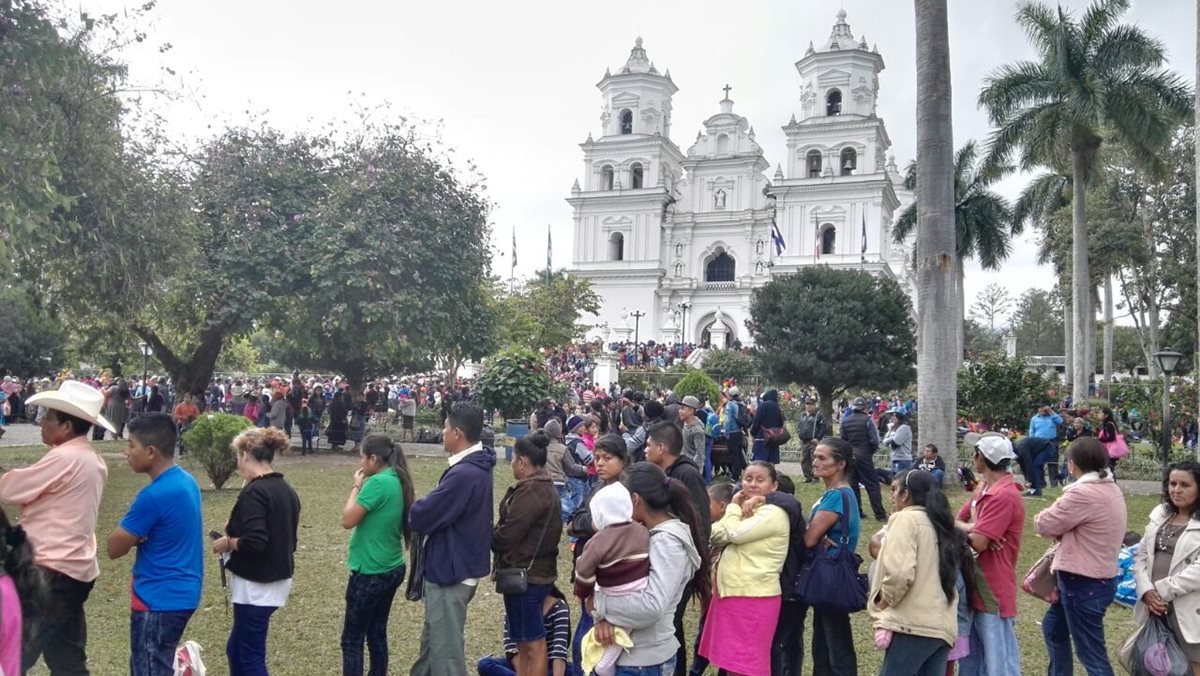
(457, 519)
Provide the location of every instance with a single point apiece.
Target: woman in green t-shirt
(377, 510)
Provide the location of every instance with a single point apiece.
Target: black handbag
(516, 580)
(415, 589)
(833, 582)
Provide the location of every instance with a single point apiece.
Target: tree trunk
(1195, 365)
(960, 297)
(1081, 285)
(825, 406)
(1068, 345)
(1109, 331)
(936, 253)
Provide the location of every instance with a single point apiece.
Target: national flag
(817, 246)
(864, 235)
(514, 256)
(777, 238)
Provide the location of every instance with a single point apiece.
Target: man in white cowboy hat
(59, 497)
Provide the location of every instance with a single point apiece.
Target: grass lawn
(305, 635)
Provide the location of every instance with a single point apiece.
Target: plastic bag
(1152, 651)
(1126, 587)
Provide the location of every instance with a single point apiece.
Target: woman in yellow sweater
(745, 603)
(913, 601)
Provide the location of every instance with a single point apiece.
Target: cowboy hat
(74, 398)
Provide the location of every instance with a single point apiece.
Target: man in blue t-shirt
(165, 525)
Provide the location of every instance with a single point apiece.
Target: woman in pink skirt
(746, 598)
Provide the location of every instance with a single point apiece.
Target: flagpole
(512, 270)
(549, 253)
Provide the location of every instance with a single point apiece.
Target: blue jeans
(708, 443)
(994, 648)
(1078, 617)
(153, 638)
(939, 476)
(565, 500)
(901, 466)
(368, 604)
(665, 669)
(246, 648)
(586, 622)
(523, 612)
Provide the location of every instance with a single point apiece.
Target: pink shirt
(59, 497)
(1089, 519)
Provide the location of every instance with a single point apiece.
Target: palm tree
(936, 255)
(1091, 73)
(983, 220)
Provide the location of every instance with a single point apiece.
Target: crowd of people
(658, 521)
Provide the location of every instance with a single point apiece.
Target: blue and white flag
(864, 235)
(777, 238)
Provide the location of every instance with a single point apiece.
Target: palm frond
(1098, 19)
(906, 223)
(1016, 131)
(1126, 47)
(1017, 85)
(1040, 25)
(910, 175)
(1044, 195)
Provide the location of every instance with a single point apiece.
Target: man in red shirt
(993, 520)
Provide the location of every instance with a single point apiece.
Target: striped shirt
(558, 633)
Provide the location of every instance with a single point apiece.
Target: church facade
(675, 242)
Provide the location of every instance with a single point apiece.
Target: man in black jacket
(860, 431)
(810, 428)
(787, 647)
(664, 448)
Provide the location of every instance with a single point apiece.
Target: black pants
(737, 454)
(833, 644)
(787, 649)
(865, 474)
(57, 628)
(806, 458)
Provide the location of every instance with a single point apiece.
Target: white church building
(675, 242)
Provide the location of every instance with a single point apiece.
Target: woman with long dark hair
(913, 601)
(1108, 434)
(833, 642)
(377, 510)
(1165, 569)
(664, 506)
(21, 586)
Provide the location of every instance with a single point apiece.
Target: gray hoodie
(649, 615)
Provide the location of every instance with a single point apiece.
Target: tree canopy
(834, 329)
(545, 311)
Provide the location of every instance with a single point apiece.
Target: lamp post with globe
(1167, 359)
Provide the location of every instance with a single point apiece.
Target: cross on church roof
(726, 90)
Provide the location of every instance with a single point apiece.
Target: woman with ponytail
(259, 547)
(20, 585)
(377, 509)
(913, 601)
(664, 506)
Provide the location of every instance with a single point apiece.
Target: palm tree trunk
(1068, 345)
(1109, 331)
(960, 296)
(1195, 366)
(937, 364)
(1081, 285)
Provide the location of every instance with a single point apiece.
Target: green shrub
(210, 439)
(697, 383)
(513, 381)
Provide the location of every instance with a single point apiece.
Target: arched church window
(636, 175)
(833, 102)
(848, 162)
(606, 178)
(719, 199)
(626, 121)
(813, 158)
(723, 144)
(616, 247)
(720, 269)
(828, 239)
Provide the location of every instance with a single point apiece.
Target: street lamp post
(684, 307)
(1167, 360)
(637, 320)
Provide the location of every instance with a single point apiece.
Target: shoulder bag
(777, 436)
(1040, 581)
(833, 582)
(415, 589)
(516, 580)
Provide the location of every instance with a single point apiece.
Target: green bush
(730, 364)
(697, 383)
(997, 390)
(513, 381)
(210, 439)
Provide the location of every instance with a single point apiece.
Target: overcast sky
(514, 82)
